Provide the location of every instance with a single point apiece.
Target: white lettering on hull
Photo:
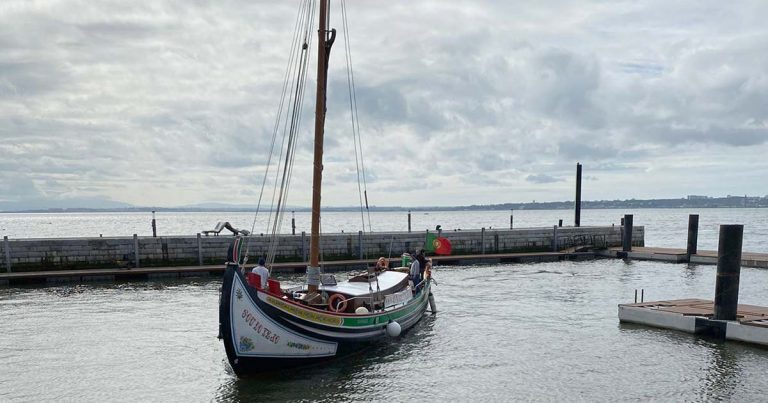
(255, 334)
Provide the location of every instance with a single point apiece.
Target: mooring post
(360, 244)
(293, 223)
(7, 247)
(199, 250)
(136, 250)
(511, 219)
(560, 223)
(627, 242)
(304, 245)
(577, 207)
(693, 235)
(409, 220)
(154, 225)
(482, 241)
(554, 238)
(728, 271)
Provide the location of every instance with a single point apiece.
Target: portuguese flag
(438, 245)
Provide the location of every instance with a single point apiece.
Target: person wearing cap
(262, 272)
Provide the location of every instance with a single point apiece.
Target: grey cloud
(542, 178)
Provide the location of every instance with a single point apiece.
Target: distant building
(696, 197)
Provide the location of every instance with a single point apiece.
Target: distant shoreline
(690, 202)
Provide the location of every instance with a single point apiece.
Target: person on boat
(382, 264)
(422, 262)
(415, 272)
(262, 271)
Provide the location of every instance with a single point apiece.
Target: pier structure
(123, 253)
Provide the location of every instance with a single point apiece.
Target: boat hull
(263, 332)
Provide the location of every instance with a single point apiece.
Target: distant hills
(687, 202)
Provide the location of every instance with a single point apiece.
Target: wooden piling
(728, 272)
(627, 240)
(693, 235)
(560, 223)
(577, 207)
(512, 219)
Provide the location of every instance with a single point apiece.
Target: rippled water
(546, 331)
(663, 227)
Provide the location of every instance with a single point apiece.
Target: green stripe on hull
(385, 317)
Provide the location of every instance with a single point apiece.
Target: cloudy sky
(168, 103)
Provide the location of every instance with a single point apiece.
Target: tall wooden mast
(323, 51)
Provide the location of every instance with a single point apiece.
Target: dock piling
(360, 244)
(693, 235)
(635, 295)
(511, 219)
(577, 207)
(627, 240)
(554, 238)
(642, 295)
(560, 223)
(154, 225)
(7, 247)
(728, 272)
(199, 250)
(136, 250)
(482, 241)
(293, 223)
(409, 220)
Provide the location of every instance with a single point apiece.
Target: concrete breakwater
(25, 255)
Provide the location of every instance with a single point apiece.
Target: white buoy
(361, 310)
(432, 306)
(393, 329)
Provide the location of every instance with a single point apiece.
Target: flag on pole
(437, 244)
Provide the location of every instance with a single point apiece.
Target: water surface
(546, 331)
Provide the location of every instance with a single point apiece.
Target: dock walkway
(113, 274)
(673, 255)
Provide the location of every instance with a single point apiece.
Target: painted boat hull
(263, 332)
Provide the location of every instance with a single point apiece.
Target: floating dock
(695, 316)
(672, 255)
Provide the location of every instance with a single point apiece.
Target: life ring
(337, 303)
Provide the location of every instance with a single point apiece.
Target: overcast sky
(168, 103)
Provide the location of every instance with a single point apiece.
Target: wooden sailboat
(271, 329)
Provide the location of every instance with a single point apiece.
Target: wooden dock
(694, 316)
(672, 255)
(144, 273)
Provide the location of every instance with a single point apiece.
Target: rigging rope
(355, 120)
(289, 117)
